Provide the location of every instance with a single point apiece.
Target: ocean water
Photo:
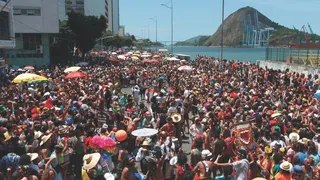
(241, 54)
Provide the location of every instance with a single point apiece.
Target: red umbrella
(113, 59)
(75, 74)
(93, 53)
(29, 68)
(154, 61)
(147, 61)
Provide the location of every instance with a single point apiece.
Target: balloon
(121, 135)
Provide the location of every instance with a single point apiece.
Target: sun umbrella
(135, 58)
(26, 77)
(144, 132)
(75, 74)
(121, 57)
(113, 59)
(317, 94)
(137, 55)
(156, 56)
(103, 52)
(146, 61)
(173, 59)
(114, 53)
(185, 68)
(29, 68)
(72, 69)
(93, 53)
(145, 55)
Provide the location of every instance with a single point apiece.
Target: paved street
(186, 146)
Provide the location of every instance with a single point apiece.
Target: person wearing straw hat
(90, 161)
(176, 119)
(285, 171)
(33, 164)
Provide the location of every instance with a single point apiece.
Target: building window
(4, 26)
(80, 2)
(27, 12)
(31, 40)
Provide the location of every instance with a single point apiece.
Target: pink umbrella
(185, 68)
(29, 68)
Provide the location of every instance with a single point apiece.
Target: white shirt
(278, 142)
(195, 130)
(136, 92)
(241, 168)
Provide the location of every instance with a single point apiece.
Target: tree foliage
(86, 30)
(119, 41)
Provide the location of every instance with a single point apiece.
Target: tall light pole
(156, 21)
(171, 22)
(222, 24)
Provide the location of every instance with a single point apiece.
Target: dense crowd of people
(130, 120)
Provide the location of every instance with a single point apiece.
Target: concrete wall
(276, 65)
(36, 59)
(47, 22)
(8, 43)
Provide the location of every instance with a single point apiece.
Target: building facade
(7, 38)
(35, 21)
(122, 30)
(115, 17)
(108, 12)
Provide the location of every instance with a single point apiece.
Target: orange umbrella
(75, 74)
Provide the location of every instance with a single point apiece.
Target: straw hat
(176, 117)
(45, 138)
(90, 160)
(304, 141)
(294, 136)
(286, 166)
(37, 134)
(146, 143)
(33, 156)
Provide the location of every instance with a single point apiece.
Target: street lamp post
(171, 23)
(222, 29)
(156, 21)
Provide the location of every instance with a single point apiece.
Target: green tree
(86, 30)
(62, 45)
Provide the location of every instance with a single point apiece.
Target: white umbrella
(144, 132)
(173, 59)
(121, 57)
(72, 69)
(114, 53)
(185, 68)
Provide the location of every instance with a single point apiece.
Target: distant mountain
(195, 41)
(233, 28)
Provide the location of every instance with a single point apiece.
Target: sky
(203, 17)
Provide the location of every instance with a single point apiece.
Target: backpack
(188, 174)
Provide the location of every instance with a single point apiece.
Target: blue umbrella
(317, 94)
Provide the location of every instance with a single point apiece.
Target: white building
(122, 30)
(7, 39)
(34, 23)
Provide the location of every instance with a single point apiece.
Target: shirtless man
(203, 168)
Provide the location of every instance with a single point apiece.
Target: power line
(5, 5)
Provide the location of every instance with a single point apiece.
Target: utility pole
(222, 28)
(171, 23)
(156, 21)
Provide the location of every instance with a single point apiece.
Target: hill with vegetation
(195, 41)
(233, 30)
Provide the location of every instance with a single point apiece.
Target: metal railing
(310, 57)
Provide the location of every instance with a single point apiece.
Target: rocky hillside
(233, 28)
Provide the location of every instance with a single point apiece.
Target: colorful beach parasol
(185, 68)
(29, 68)
(75, 74)
(72, 69)
(144, 132)
(26, 77)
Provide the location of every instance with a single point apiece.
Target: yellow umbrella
(26, 77)
(72, 69)
(138, 55)
(135, 58)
